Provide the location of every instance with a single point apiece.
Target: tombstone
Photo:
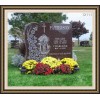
(14, 43)
(48, 39)
(84, 43)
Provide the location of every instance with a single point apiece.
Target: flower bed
(50, 65)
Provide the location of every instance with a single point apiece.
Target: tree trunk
(15, 38)
(78, 42)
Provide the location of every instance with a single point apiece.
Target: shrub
(17, 60)
(42, 69)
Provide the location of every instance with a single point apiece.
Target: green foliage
(21, 19)
(16, 33)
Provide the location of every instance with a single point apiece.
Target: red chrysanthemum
(65, 69)
(42, 69)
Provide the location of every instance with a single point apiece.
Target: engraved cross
(44, 27)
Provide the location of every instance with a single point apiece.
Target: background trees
(19, 20)
(78, 29)
(16, 33)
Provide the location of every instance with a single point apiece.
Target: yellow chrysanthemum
(51, 61)
(29, 64)
(70, 62)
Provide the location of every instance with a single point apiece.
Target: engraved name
(59, 27)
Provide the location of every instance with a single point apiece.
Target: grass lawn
(81, 78)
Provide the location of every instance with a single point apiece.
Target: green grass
(81, 78)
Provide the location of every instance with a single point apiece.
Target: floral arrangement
(65, 69)
(51, 61)
(71, 62)
(28, 66)
(50, 65)
(42, 69)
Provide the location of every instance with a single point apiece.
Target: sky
(76, 16)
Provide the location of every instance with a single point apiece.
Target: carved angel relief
(38, 47)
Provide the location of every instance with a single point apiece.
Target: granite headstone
(48, 39)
